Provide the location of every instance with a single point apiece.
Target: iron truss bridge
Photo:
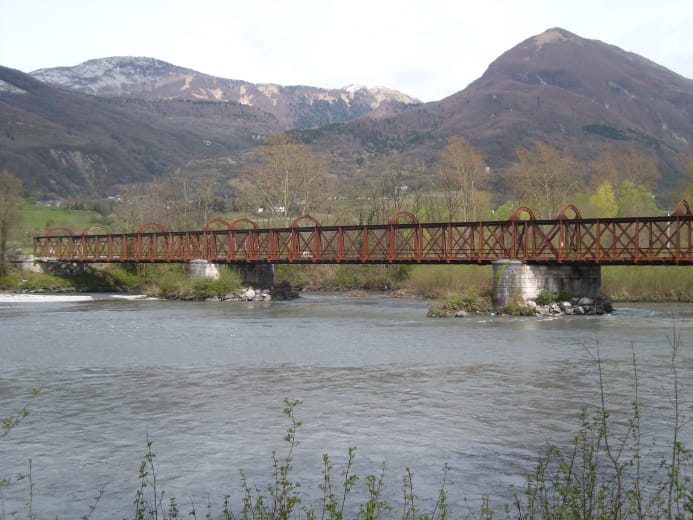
(567, 239)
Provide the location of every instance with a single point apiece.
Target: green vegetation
(37, 219)
(287, 179)
(163, 281)
(648, 283)
(606, 131)
(549, 296)
(469, 303)
(175, 283)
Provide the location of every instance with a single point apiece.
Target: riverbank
(467, 287)
(57, 298)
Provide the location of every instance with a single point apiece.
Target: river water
(206, 384)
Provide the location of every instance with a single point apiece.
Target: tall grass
(648, 283)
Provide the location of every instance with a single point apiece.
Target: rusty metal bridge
(567, 239)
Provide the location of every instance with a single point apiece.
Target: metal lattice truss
(624, 241)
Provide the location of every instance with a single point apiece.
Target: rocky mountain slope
(576, 94)
(293, 106)
(85, 130)
(63, 143)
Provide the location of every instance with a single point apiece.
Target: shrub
(548, 296)
(516, 309)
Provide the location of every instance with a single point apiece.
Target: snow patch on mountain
(9, 87)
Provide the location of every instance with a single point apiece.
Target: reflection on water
(206, 383)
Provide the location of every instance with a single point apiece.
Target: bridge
(567, 240)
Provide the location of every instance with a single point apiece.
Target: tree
(461, 172)
(285, 177)
(545, 179)
(176, 202)
(10, 204)
(604, 201)
(636, 201)
(617, 167)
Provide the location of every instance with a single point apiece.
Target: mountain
(63, 143)
(558, 88)
(87, 129)
(294, 106)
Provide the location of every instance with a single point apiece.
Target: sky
(428, 49)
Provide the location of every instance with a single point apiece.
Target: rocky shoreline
(245, 295)
(576, 306)
(580, 306)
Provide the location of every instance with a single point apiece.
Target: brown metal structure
(566, 239)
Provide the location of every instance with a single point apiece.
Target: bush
(548, 296)
(177, 284)
(469, 302)
(515, 309)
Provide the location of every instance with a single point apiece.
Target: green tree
(604, 201)
(10, 204)
(636, 201)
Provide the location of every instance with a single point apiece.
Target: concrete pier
(200, 269)
(255, 275)
(515, 281)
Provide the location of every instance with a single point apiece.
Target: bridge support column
(515, 281)
(199, 269)
(260, 276)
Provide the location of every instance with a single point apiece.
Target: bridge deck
(622, 241)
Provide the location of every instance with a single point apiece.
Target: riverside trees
(461, 172)
(284, 177)
(11, 202)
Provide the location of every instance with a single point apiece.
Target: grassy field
(37, 219)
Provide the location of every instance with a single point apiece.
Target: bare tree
(10, 205)
(617, 166)
(284, 177)
(461, 172)
(545, 179)
(176, 202)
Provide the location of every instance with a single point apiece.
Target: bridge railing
(562, 240)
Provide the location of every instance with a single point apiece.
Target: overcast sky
(428, 49)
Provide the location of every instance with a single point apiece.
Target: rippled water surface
(205, 382)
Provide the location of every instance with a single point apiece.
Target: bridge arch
(208, 225)
(563, 214)
(306, 244)
(522, 210)
(252, 223)
(162, 229)
(297, 221)
(97, 247)
(52, 231)
(408, 238)
(682, 209)
(395, 218)
(92, 228)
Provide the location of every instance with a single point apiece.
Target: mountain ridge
(557, 88)
(152, 79)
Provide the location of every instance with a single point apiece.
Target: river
(206, 384)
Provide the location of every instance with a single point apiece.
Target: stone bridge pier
(260, 276)
(516, 281)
